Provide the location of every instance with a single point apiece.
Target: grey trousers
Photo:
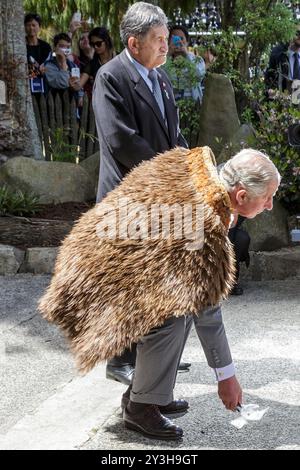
(157, 359)
(159, 353)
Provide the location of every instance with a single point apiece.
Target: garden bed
(48, 227)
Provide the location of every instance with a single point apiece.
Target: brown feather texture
(109, 291)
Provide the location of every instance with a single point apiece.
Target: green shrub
(18, 202)
(274, 118)
(183, 75)
(60, 148)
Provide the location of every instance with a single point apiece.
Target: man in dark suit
(284, 66)
(241, 241)
(136, 117)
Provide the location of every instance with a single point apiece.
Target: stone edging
(37, 260)
(265, 265)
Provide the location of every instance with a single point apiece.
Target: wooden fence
(59, 112)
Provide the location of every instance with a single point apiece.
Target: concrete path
(45, 404)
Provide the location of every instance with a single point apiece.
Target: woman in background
(101, 42)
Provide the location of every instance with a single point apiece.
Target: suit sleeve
(118, 127)
(211, 332)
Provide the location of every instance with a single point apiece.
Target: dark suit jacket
(277, 72)
(129, 123)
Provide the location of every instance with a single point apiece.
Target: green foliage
(189, 120)
(182, 72)
(271, 125)
(184, 76)
(226, 47)
(57, 14)
(18, 202)
(265, 21)
(60, 148)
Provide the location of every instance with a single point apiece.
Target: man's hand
(230, 393)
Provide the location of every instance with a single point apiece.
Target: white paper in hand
(250, 412)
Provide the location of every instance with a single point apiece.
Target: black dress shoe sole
(140, 430)
(177, 412)
(184, 366)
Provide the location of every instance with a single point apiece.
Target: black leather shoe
(184, 366)
(151, 423)
(175, 407)
(123, 374)
(237, 290)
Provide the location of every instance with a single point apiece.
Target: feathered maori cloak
(109, 290)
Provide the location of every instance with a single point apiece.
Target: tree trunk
(226, 8)
(23, 135)
(25, 232)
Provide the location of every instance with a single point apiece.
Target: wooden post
(45, 126)
(83, 127)
(58, 111)
(37, 118)
(66, 115)
(92, 131)
(73, 123)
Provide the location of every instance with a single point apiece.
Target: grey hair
(139, 18)
(251, 169)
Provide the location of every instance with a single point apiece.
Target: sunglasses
(96, 43)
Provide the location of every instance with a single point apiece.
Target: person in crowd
(101, 42)
(188, 82)
(209, 56)
(86, 54)
(284, 66)
(135, 113)
(37, 51)
(86, 51)
(82, 51)
(60, 72)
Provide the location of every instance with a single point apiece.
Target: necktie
(296, 70)
(157, 91)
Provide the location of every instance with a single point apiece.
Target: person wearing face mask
(59, 69)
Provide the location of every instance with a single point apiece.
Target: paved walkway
(46, 405)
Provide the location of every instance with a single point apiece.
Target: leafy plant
(60, 148)
(20, 203)
(271, 120)
(185, 76)
(189, 120)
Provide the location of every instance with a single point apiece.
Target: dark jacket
(277, 72)
(129, 123)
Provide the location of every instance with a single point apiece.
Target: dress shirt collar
(142, 70)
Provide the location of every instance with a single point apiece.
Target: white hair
(251, 169)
